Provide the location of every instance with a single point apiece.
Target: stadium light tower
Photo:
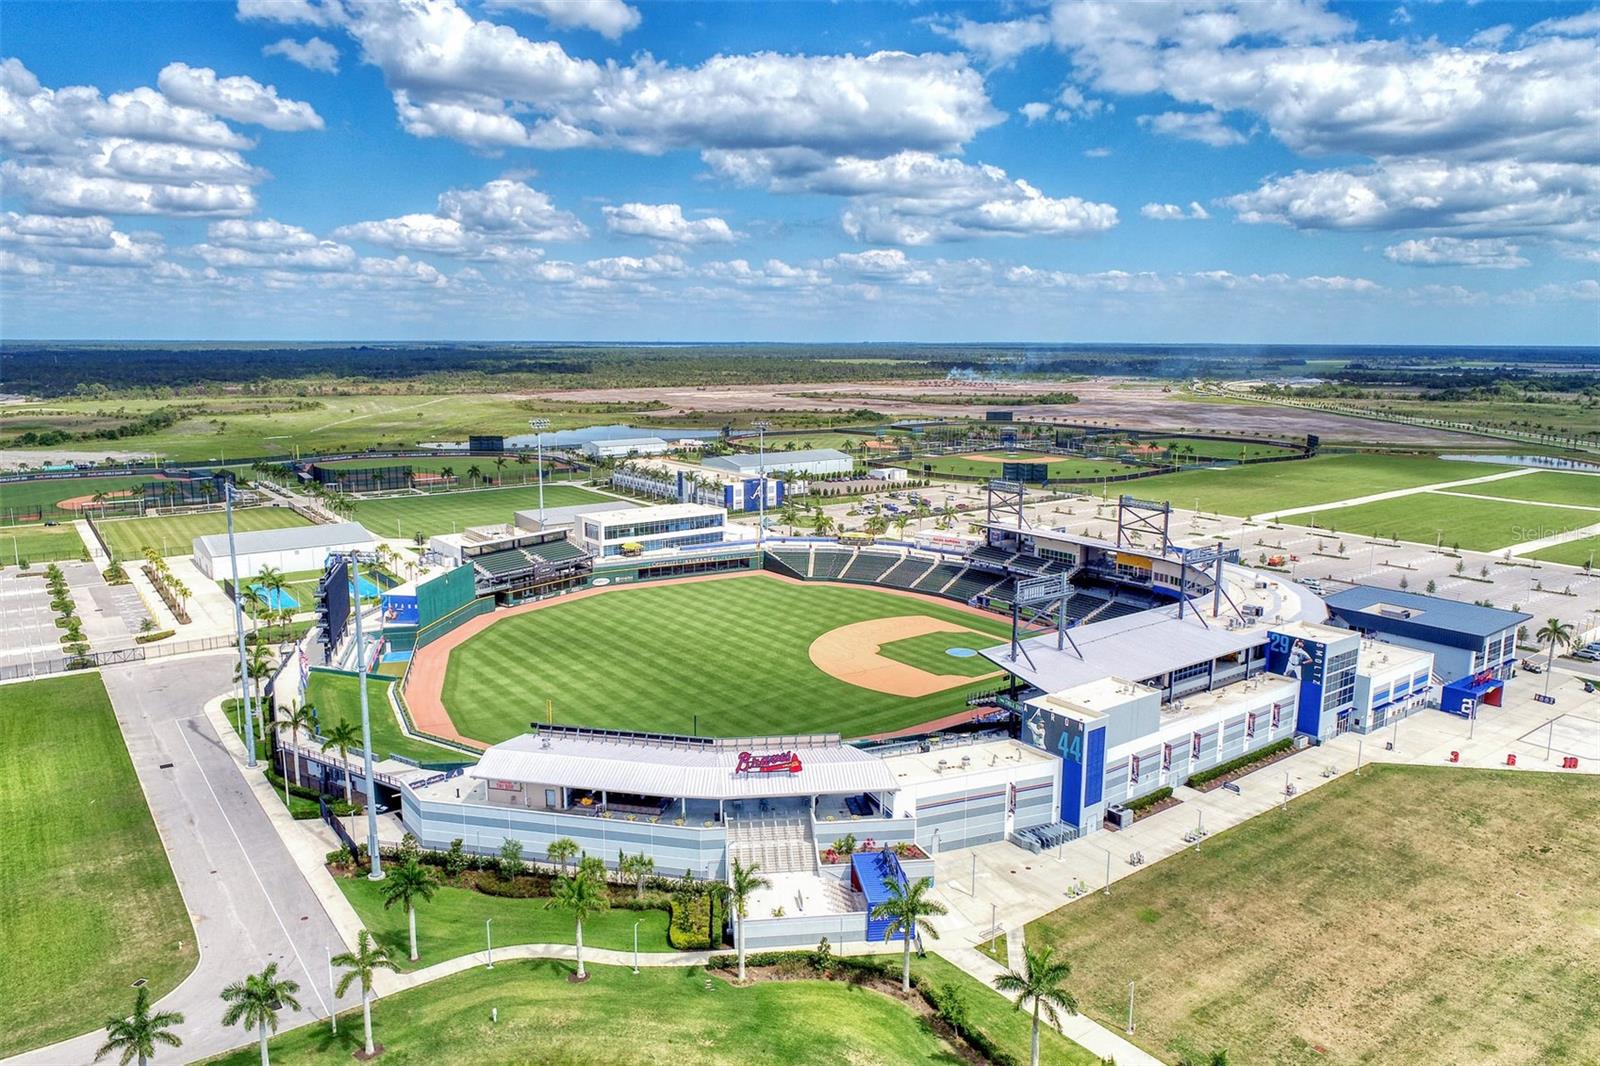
(762, 425)
(356, 559)
(539, 425)
(238, 624)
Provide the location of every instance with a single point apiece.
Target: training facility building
(807, 461)
(621, 447)
(639, 530)
(289, 550)
(1474, 648)
(672, 479)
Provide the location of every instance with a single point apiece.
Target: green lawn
(338, 696)
(39, 544)
(452, 923)
(174, 534)
(1413, 914)
(1545, 487)
(1215, 449)
(1573, 552)
(671, 1017)
(446, 512)
(992, 465)
(1425, 517)
(88, 904)
(1259, 489)
(733, 652)
(26, 497)
(930, 652)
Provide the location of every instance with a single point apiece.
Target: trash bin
(1455, 756)
(1511, 760)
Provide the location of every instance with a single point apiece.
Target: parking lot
(26, 619)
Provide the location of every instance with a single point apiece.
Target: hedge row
(1149, 800)
(1244, 760)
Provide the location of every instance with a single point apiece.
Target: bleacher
(907, 573)
(503, 563)
(828, 563)
(990, 554)
(970, 583)
(870, 566)
(1002, 590)
(555, 551)
(938, 577)
(1118, 609)
(789, 561)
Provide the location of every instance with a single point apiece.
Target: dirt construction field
(724, 655)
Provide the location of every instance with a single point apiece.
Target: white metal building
(290, 550)
(809, 461)
(625, 446)
(606, 533)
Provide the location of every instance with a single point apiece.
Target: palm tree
(137, 1035)
(583, 896)
(1554, 632)
(745, 880)
(406, 884)
(908, 909)
(359, 965)
(562, 850)
(342, 736)
(523, 459)
(475, 473)
(254, 1003)
(294, 719)
(638, 867)
(1040, 981)
(499, 470)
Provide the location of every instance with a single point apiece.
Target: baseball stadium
(699, 696)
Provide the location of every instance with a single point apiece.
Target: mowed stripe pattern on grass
(174, 534)
(651, 658)
(403, 516)
(88, 903)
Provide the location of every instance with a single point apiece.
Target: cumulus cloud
(665, 222)
(609, 18)
(996, 43)
(772, 274)
(1495, 253)
(1205, 127)
(1034, 111)
(89, 241)
(1174, 213)
(493, 222)
(265, 243)
(239, 98)
(313, 54)
(914, 198)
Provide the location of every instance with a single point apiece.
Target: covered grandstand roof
(687, 769)
(1149, 643)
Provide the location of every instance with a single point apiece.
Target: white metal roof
(744, 462)
(691, 771)
(335, 535)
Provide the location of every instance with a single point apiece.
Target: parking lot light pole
(636, 947)
(488, 940)
(539, 425)
(238, 623)
(762, 425)
(356, 559)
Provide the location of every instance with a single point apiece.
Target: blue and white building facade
(606, 534)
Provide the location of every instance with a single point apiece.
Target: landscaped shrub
(149, 638)
(1244, 760)
(1149, 800)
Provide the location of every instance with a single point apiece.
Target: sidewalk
(1393, 494)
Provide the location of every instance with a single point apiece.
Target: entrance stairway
(779, 845)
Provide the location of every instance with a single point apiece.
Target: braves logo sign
(783, 762)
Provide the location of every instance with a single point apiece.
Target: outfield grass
(733, 652)
(1573, 552)
(447, 512)
(1426, 517)
(1545, 487)
(993, 465)
(930, 652)
(1416, 915)
(39, 544)
(174, 534)
(451, 924)
(88, 903)
(1248, 490)
(338, 696)
(659, 1016)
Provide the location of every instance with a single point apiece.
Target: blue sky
(602, 170)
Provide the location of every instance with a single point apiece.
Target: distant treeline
(55, 369)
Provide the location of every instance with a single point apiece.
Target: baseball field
(991, 463)
(174, 534)
(730, 655)
(447, 512)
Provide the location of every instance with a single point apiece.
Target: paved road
(249, 903)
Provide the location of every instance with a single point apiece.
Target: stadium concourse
(1172, 662)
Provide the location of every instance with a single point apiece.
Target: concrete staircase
(779, 845)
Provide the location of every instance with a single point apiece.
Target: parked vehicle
(1532, 667)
